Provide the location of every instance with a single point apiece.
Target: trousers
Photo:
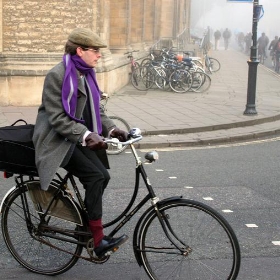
(88, 168)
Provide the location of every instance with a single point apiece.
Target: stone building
(33, 34)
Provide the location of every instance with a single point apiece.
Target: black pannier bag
(17, 154)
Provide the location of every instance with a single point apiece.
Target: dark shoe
(109, 245)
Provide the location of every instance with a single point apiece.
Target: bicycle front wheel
(115, 149)
(214, 64)
(201, 82)
(180, 81)
(201, 244)
(26, 239)
(142, 78)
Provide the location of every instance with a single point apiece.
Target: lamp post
(253, 63)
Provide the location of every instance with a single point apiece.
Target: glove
(95, 142)
(120, 134)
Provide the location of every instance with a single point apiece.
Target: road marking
(208, 198)
(188, 187)
(172, 177)
(251, 225)
(227, 211)
(159, 170)
(277, 243)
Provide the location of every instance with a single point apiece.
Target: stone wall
(41, 26)
(33, 34)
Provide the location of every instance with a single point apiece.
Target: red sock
(97, 231)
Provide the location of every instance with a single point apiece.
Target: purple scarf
(73, 63)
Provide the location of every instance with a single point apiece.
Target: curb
(204, 140)
(213, 127)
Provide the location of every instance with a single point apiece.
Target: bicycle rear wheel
(208, 247)
(180, 81)
(115, 149)
(26, 240)
(201, 82)
(142, 78)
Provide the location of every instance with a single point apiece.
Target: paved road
(241, 178)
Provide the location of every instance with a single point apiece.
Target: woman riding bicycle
(70, 127)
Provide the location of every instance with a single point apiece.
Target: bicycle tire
(25, 244)
(142, 78)
(146, 62)
(161, 79)
(197, 63)
(201, 82)
(180, 81)
(214, 64)
(115, 149)
(210, 249)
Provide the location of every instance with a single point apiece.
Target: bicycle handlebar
(134, 135)
(130, 52)
(128, 142)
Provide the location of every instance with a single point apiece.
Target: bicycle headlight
(151, 156)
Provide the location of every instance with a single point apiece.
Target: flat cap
(86, 38)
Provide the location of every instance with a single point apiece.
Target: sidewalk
(169, 119)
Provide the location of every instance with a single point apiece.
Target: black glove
(95, 142)
(120, 134)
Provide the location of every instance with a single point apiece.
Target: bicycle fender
(138, 225)
(5, 197)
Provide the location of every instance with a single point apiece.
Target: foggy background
(238, 17)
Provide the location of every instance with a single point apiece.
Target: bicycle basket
(17, 154)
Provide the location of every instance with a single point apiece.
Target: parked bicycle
(114, 148)
(175, 238)
(133, 63)
(212, 64)
(171, 73)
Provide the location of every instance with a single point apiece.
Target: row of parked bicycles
(170, 71)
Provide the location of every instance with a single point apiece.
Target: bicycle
(46, 231)
(212, 64)
(165, 74)
(143, 78)
(114, 148)
(133, 63)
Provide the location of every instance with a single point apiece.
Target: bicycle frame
(83, 232)
(131, 58)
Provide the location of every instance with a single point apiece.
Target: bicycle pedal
(109, 253)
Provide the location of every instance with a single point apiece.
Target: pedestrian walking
(263, 42)
(217, 36)
(226, 36)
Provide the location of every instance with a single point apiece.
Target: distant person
(217, 36)
(226, 36)
(262, 45)
(272, 45)
(241, 40)
(276, 49)
(248, 42)
(273, 42)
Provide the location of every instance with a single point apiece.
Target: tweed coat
(55, 134)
